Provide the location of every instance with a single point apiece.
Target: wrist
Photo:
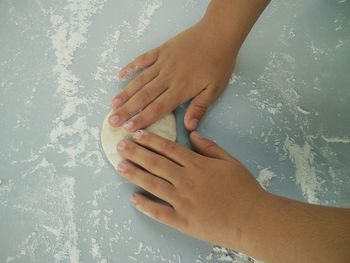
(232, 20)
(224, 33)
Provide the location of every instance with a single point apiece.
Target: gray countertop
(285, 115)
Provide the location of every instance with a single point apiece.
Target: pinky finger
(143, 61)
(161, 212)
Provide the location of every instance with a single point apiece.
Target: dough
(110, 137)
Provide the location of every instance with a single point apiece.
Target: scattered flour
(109, 59)
(303, 111)
(150, 7)
(264, 178)
(279, 79)
(305, 172)
(149, 252)
(233, 79)
(52, 212)
(336, 139)
(225, 255)
(70, 30)
(96, 251)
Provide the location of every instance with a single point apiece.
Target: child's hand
(196, 64)
(211, 195)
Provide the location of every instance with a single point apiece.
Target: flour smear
(305, 171)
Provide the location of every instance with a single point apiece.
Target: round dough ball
(110, 137)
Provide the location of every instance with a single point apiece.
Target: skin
(194, 65)
(213, 197)
(209, 194)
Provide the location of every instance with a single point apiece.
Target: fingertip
(195, 135)
(116, 103)
(113, 121)
(192, 125)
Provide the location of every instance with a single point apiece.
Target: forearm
(233, 19)
(283, 230)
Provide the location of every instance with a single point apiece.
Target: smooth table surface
(285, 115)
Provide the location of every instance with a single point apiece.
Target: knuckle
(169, 146)
(141, 79)
(123, 95)
(156, 108)
(145, 95)
(143, 119)
(210, 145)
(201, 108)
(130, 148)
(154, 162)
(123, 113)
(142, 58)
(139, 121)
(151, 184)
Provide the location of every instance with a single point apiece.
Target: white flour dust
(52, 211)
(305, 171)
(150, 7)
(264, 178)
(70, 30)
(225, 255)
(96, 251)
(108, 60)
(336, 139)
(155, 254)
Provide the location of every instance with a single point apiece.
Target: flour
(225, 255)
(155, 254)
(52, 211)
(303, 111)
(305, 172)
(109, 59)
(336, 139)
(71, 244)
(51, 199)
(150, 7)
(96, 251)
(279, 79)
(264, 178)
(70, 34)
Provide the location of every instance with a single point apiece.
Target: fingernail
(197, 134)
(128, 125)
(138, 134)
(116, 103)
(193, 124)
(114, 120)
(122, 166)
(121, 145)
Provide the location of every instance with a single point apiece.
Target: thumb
(197, 108)
(207, 147)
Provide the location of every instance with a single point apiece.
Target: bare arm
(234, 18)
(284, 230)
(213, 197)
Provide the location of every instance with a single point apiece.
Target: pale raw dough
(110, 137)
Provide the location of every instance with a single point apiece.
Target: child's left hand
(212, 196)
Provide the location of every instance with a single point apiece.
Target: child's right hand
(196, 64)
(211, 195)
